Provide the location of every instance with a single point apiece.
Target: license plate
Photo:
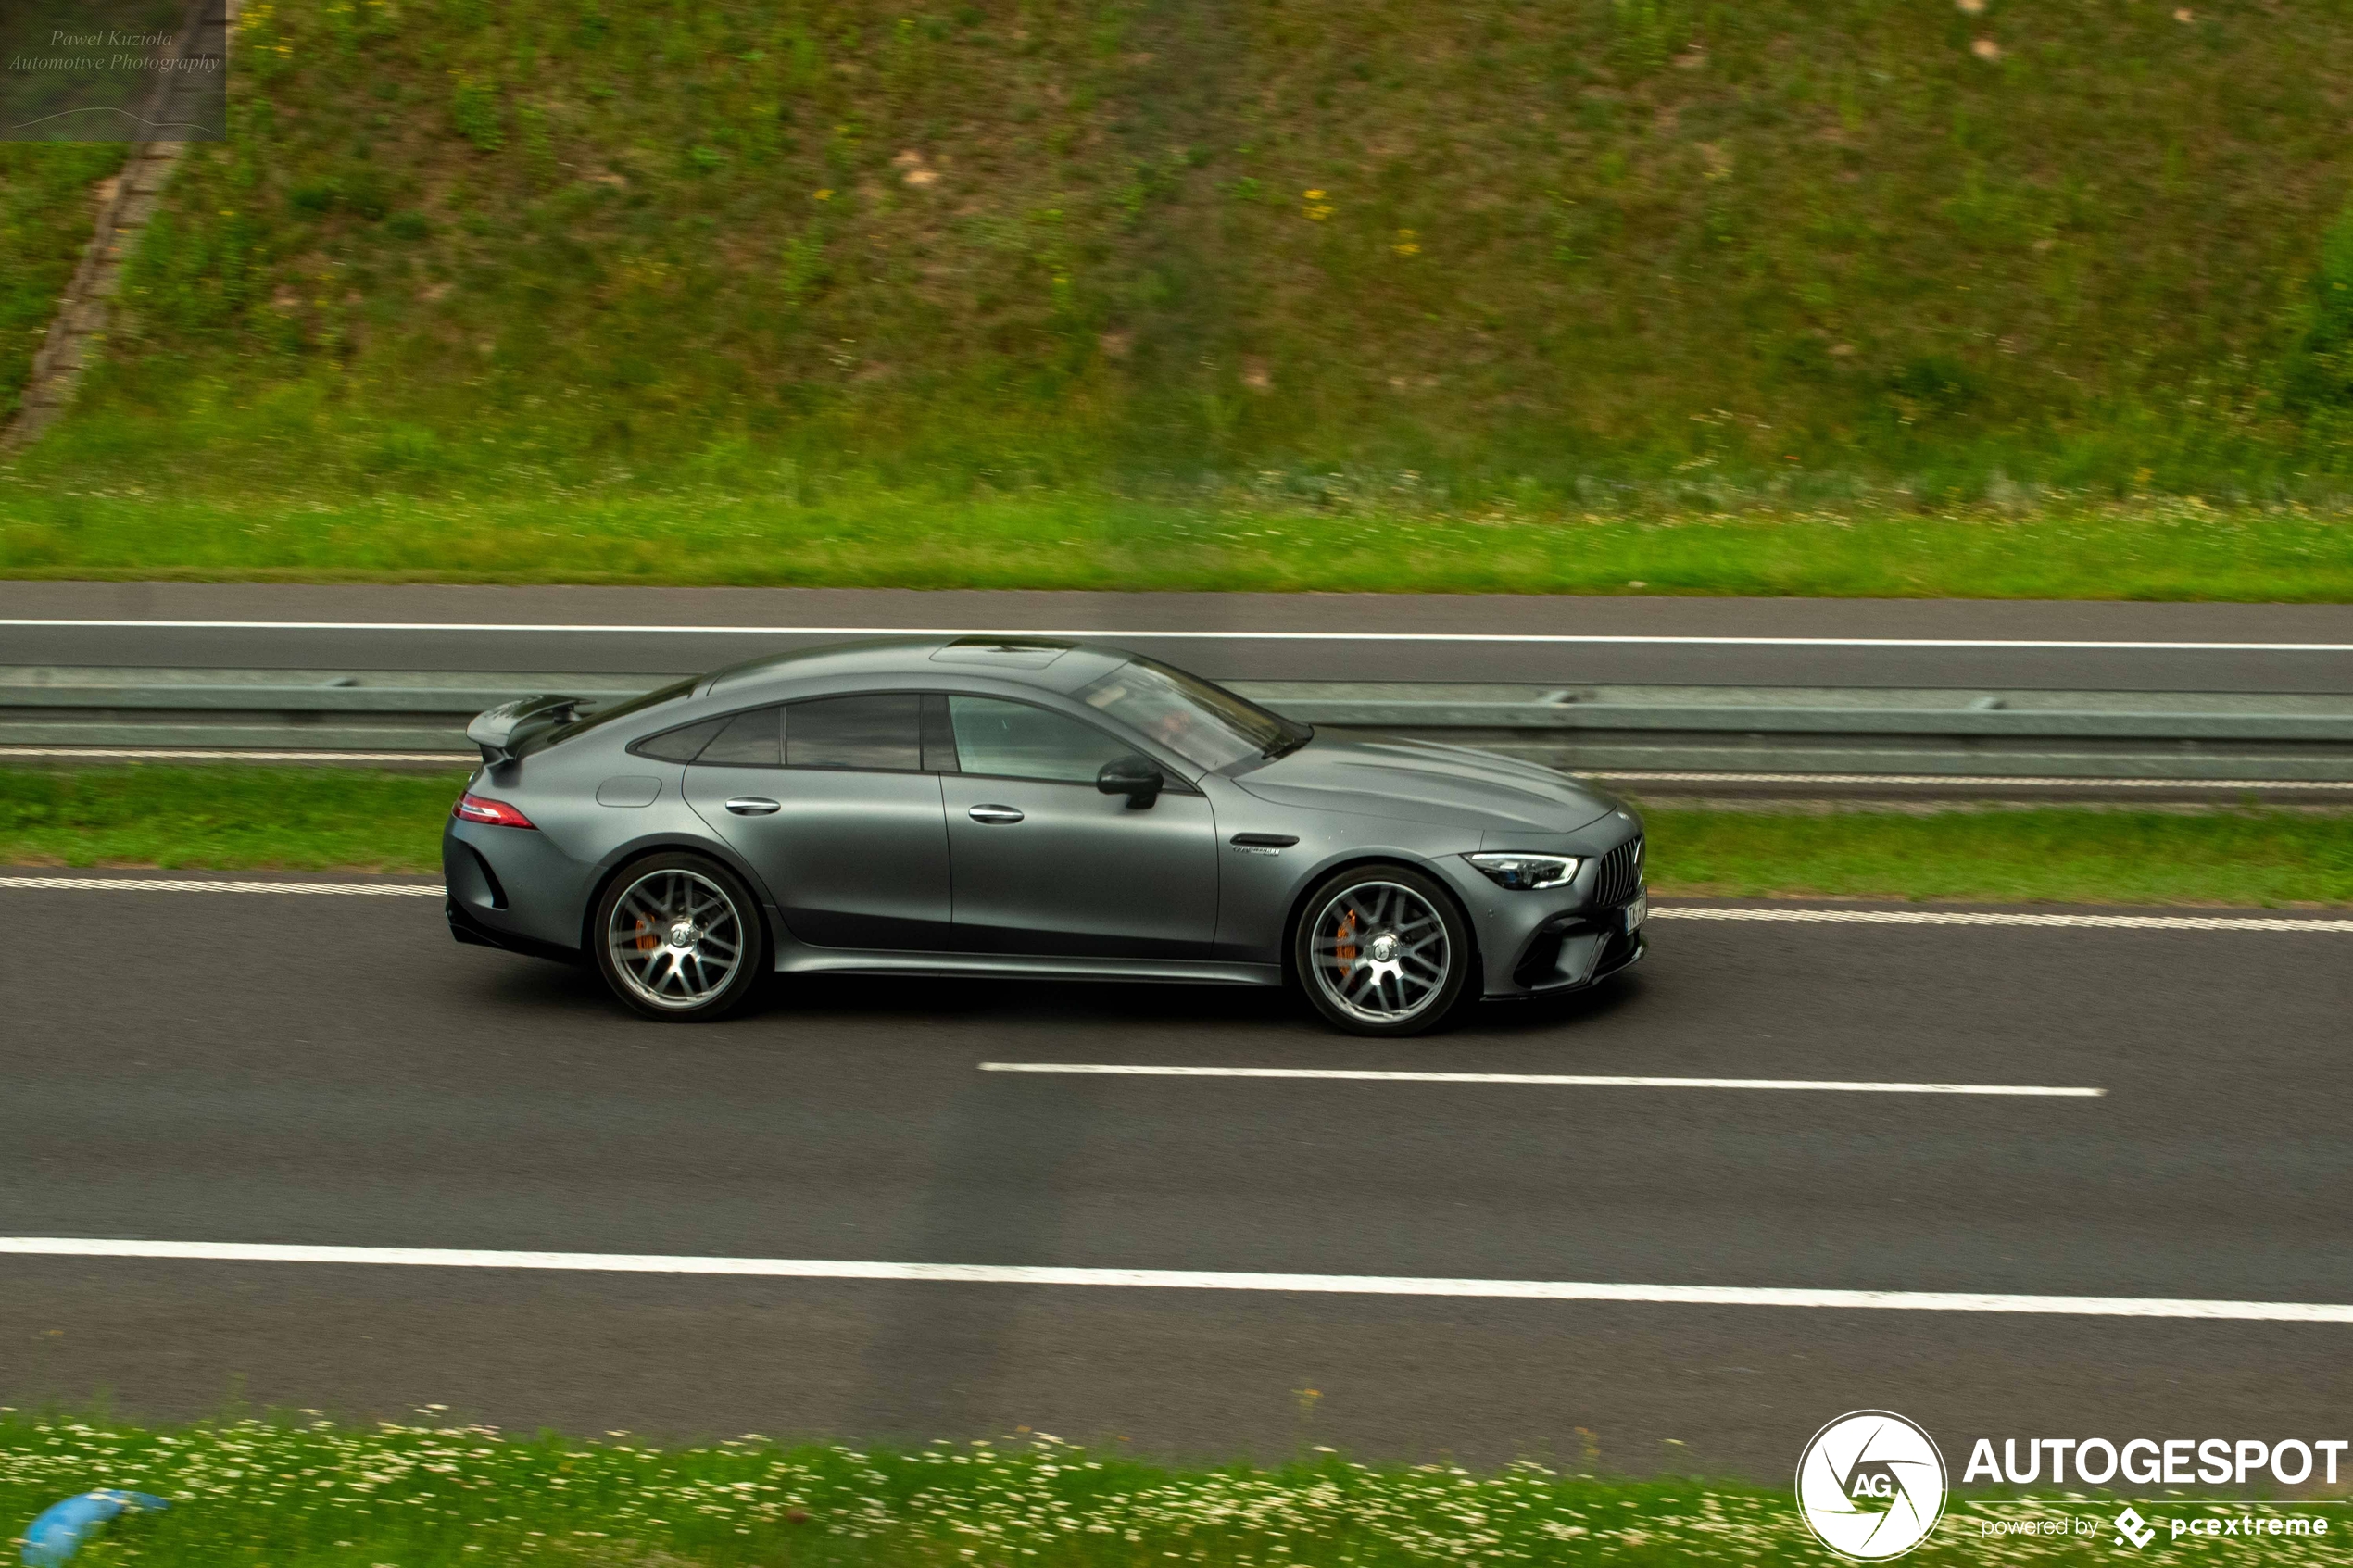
(1638, 912)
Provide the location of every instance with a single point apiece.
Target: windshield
(622, 709)
(1207, 725)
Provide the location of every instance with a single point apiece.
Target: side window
(749, 741)
(1013, 740)
(680, 745)
(878, 730)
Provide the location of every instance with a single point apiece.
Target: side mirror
(1138, 778)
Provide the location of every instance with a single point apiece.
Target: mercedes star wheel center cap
(1384, 948)
(684, 935)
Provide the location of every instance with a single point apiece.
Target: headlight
(1526, 872)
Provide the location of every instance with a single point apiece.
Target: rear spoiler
(502, 731)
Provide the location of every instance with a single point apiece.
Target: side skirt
(797, 959)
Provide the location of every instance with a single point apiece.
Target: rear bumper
(474, 933)
(476, 901)
(514, 888)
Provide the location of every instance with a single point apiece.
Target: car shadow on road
(576, 993)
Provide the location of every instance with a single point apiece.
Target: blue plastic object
(62, 1527)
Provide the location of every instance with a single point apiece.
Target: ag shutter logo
(1871, 1485)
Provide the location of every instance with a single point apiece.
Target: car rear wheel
(1382, 949)
(678, 937)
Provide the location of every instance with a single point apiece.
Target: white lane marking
(1574, 1080)
(1657, 911)
(1149, 634)
(192, 754)
(162, 885)
(1983, 917)
(1971, 780)
(1192, 1279)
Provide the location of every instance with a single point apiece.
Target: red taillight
(490, 813)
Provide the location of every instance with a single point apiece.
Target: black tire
(1402, 991)
(647, 906)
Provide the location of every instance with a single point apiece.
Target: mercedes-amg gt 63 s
(1030, 807)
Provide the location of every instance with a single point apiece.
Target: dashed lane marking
(1570, 1080)
(165, 884)
(236, 754)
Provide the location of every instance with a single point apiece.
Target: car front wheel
(1381, 950)
(678, 937)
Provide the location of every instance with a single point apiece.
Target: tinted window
(882, 730)
(749, 741)
(679, 744)
(1013, 740)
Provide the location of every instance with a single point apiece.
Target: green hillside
(1564, 259)
(47, 205)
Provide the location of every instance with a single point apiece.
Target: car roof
(1051, 663)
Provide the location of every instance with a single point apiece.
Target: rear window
(749, 741)
(680, 745)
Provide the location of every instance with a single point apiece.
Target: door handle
(993, 814)
(754, 806)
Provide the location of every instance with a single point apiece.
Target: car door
(828, 799)
(1044, 862)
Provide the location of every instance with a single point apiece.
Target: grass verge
(2056, 855)
(225, 819)
(413, 1497)
(297, 818)
(1352, 536)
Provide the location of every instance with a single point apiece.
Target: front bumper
(1574, 951)
(1540, 942)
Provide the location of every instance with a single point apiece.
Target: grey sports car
(1033, 808)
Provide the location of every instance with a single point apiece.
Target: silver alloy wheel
(675, 938)
(1378, 951)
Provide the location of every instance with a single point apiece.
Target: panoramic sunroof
(1020, 653)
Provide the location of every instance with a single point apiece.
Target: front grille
(1620, 876)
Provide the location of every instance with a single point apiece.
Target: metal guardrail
(2075, 724)
(266, 710)
(1606, 730)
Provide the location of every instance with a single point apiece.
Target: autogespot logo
(1872, 1485)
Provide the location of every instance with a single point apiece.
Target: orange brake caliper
(1344, 953)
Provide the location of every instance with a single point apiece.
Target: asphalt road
(1356, 636)
(257, 1068)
